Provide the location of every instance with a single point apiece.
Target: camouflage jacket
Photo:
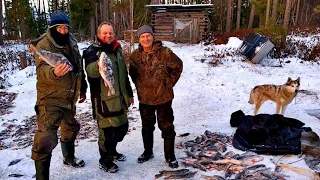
(155, 73)
(59, 91)
(109, 110)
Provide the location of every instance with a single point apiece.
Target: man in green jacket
(58, 89)
(109, 110)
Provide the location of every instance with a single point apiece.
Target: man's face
(106, 34)
(62, 29)
(146, 40)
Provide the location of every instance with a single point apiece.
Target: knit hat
(58, 18)
(144, 29)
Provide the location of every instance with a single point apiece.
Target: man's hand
(131, 101)
(83, 97)
(62, 69)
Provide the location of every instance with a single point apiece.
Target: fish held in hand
(53, 59)
(106, 72)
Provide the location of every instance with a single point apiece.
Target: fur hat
(58, 18)
(144, 29)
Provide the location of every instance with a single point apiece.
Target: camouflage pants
(165, 119)
(49, 118)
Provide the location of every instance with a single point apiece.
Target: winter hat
(58, 18)
(144, 29)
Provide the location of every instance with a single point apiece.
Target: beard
(60, 39)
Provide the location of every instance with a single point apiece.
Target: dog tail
(251, 101)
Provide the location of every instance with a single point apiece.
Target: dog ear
(298, 80)
(289, 79)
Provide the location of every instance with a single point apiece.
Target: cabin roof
(179, 6)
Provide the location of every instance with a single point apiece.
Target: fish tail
(33, 48)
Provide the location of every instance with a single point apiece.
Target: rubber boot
(169, 153)
(147, 138)
(42, 168)
(68, 155)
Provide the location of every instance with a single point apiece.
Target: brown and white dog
(282, 95)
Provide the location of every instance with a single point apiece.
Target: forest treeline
(27, 19)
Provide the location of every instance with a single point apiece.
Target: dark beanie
(59, 18)
(144, 29)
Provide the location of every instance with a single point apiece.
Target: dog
(282, 95)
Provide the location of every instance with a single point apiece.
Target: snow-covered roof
(179, 5)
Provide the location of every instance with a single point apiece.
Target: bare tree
(39, 3)
(55, 4)
(96, 13)
(69, 2)
(287, 14)
(92, 27)
(274, 10)
(238, 14)
(63, 5)
(1, 19)
(101, 11)
(251, 17)
(106, 10)
(268, 12)
(229, 16)
(296, 13)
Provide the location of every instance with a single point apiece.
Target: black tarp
(267, 134)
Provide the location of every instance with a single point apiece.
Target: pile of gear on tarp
(260, 134)
(276, 134)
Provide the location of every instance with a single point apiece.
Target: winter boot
(172, 161)
(68, 155)
(145, 156)
(42, 169)
(106, 163)
(169, 152)
(117, 156)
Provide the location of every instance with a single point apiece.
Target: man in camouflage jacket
(155, 70)
(58, 89)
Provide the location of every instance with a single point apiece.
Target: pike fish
(169, 173)
(53, 59)
(182, 176)
(106, 72)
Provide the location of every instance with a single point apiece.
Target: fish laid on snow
(106, 72)
(187, 175)
(169, 173)
(53, 59)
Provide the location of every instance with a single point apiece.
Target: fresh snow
(205, 97)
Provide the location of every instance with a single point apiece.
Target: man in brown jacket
(155, 70)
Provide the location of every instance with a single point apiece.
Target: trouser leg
(110, 142)
(45, 140)
(69, 131)
(165, 123)
(148, 118)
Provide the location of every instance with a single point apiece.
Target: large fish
(53, 59)
(106, 72)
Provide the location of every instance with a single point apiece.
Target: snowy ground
(205, 97)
